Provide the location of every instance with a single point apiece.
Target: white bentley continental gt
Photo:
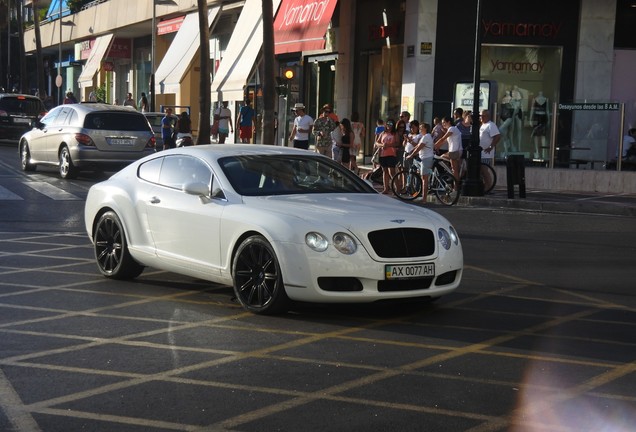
(276, 223)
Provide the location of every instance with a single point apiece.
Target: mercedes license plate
(121, 141)
(409, 271)
(21, 120)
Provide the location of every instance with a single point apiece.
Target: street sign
(58, 81)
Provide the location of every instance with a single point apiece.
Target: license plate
(409, 271)
(21, 120)
(121, 141)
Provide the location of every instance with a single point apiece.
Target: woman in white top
(358, 132)
(424, 149)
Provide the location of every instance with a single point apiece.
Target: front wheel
(258, 282)
(406, 185)
(67, 168)
(446, 189)
(111, 249)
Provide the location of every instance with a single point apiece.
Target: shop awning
(178, 58)
(300, 25)
(98, 52)
(241, 53)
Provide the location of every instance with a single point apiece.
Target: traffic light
(288, 73)
(281, 86)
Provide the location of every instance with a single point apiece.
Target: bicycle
(407, 185)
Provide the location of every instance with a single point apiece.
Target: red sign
(108, 66)
(300, 25)
(170, 25)
(120, 48)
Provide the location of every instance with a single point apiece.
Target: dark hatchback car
(76, 137)
(17, 114)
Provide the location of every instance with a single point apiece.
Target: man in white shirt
(224, 116)
(489, 136)
(303, 124)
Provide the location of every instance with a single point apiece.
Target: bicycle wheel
(406, 186)
(488, 177)
(446, 189)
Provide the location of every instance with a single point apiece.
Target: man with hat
(323, 126)
(303, 124)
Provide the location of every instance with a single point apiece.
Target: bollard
(516, 174)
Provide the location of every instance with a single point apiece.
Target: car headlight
(344, 243)
(316, 241)
(444, 238)
(454, 236)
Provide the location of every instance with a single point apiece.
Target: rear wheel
(406, 185)
(446, 189)
(67, 169)
(25, 158)
(111, 249)
(258, 281)
(488, 177)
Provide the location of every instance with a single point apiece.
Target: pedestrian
(245, 122)
(388, 143)
(358, 134)
(465, 125)
(143, 103)
(489, 136)
(303, 124)
(437, 132)
(346, 142)
(130, 101)
(411, 140)
(92, 96)
(426, 152)
(405, 116)
(70, 98)
(454, 138)
(167, 130)
(336, 143)
(183, 128)
(323, 126)
(224, 116)
(332, 114)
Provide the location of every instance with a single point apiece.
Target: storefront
(528, 55)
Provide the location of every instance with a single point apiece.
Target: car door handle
(155, 200)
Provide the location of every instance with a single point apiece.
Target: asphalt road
(539, 337)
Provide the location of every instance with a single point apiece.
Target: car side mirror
(197, 188)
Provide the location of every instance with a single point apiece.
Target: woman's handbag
(214, 129)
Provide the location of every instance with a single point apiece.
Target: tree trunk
(204, 83)
(38, 51)
(23, 72)
(268, 81)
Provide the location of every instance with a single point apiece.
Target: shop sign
(108, 66)
(426, 48)
(604, 106)
(170, 26)
(120, 48)
(515, 29)
(300, 25)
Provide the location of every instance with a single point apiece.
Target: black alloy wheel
(111, 249)
(258, 282)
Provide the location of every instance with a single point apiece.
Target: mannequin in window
(517, 118)
(507, 122)
(540, 117)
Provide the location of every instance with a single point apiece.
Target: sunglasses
(390, 124)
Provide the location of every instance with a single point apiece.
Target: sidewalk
(545, 201)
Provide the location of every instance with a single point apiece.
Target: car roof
(221, 150)
(83, 108)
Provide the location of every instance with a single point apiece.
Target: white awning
(178, 58)
(98, 52)
(241, 52)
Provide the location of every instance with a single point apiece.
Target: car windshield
(290, 174)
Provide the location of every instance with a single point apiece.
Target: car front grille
(403, 242)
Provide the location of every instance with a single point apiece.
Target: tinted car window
(150, 170)
(121, 121)
(22, 105)
(50, 117)
(62, 117)
(180, 170)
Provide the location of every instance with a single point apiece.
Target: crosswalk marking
(7, 195)
(51, 191)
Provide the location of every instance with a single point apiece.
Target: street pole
(473, 186)
(152, 57)
(58, 79)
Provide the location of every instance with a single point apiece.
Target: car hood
(363, 211)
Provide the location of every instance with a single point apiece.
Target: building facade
(564, 65)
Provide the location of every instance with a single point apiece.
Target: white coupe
(278, 224)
